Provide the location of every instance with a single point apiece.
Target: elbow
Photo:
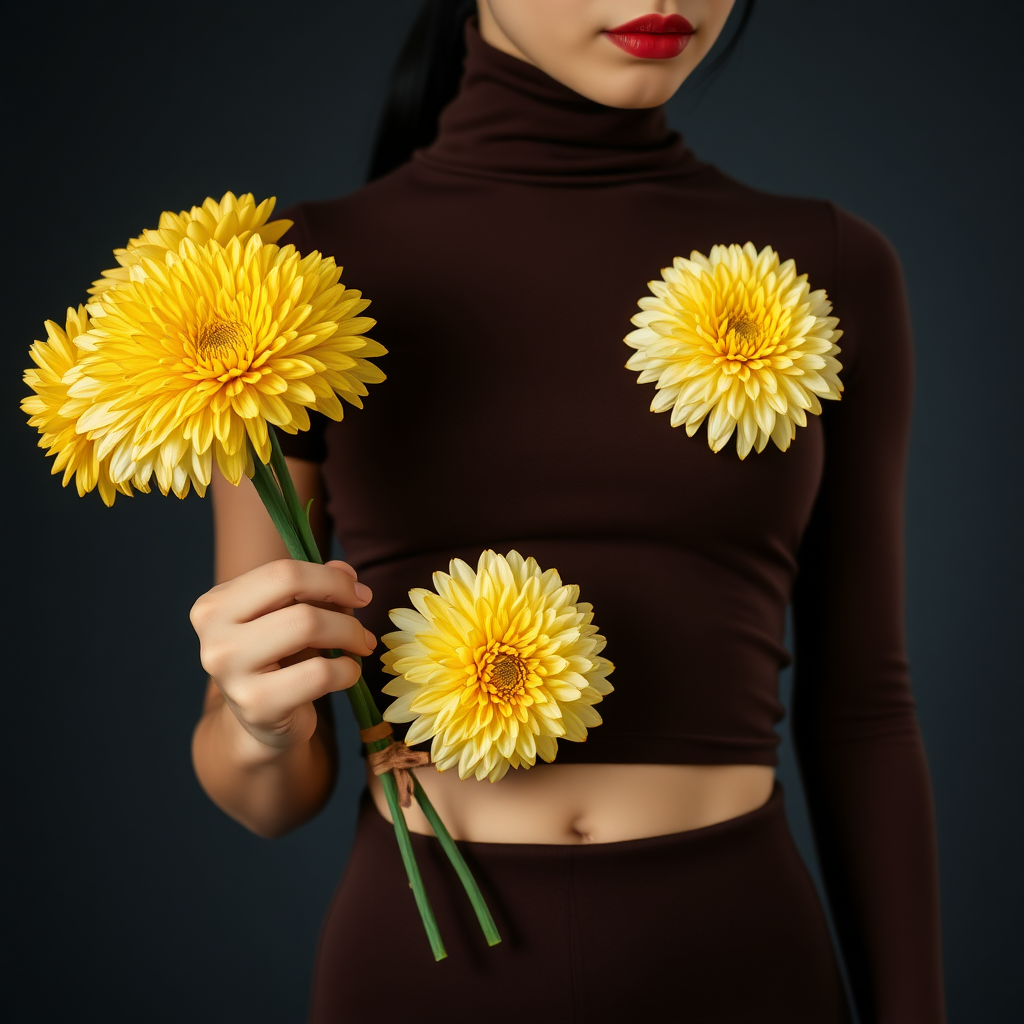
(271, 822)
(267, 830)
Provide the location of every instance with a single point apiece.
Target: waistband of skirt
(744, 827)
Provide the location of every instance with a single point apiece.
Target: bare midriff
(587, 803)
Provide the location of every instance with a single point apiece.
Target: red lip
(655, 23)
(652, 36)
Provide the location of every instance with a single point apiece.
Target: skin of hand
(261, 634)
(567, 40)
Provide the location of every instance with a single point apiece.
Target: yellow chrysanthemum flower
(55, 416)
(496, 666)
(739, 339)
(232, 217)
(206, 346)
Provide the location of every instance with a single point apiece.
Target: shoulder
(842, 254)
(783, 215)
(331, 225)
(854, 243)
(870, 289)
(812, 232)
(869, 296)
(852, 260)
(864, 256)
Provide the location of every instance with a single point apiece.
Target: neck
(511, 120)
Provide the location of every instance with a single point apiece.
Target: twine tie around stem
(396, 757)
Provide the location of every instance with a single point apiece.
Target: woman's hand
(262, 634)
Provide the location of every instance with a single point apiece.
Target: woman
(650, 869)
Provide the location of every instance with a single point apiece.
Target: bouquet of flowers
(205, 338)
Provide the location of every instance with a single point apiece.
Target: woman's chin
(630, 88)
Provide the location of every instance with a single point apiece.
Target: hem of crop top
(651, 749)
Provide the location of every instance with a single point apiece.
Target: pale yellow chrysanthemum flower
(496, 667)
(206, 346)
(55, 416)
(739, 339)
(232, 217)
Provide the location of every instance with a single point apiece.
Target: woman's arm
(269, 779)
(854, 721)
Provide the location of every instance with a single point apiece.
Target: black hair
(427, 73)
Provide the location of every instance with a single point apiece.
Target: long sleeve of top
(853, 715)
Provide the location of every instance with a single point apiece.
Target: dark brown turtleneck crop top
(503, 264)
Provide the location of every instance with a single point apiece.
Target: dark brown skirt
(714, 925)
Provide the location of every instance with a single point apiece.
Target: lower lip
(651, 45)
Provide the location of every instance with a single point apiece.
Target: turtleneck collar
(511, 120)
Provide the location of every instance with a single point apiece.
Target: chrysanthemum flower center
(506, 675)
(744, 338)
(217, 338)
(747, 332)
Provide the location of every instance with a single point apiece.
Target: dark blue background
(132, 898)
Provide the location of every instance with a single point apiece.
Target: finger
(337, 563)
(254, 646)
(272, 697)
(288, 581)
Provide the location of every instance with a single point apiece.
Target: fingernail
(371, 640)
(363, 592)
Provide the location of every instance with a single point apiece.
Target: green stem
(483, 915)
(270, 494)
(409, 859)
(292, 521)
(365, 710)
(363, 705)
(298, 515)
